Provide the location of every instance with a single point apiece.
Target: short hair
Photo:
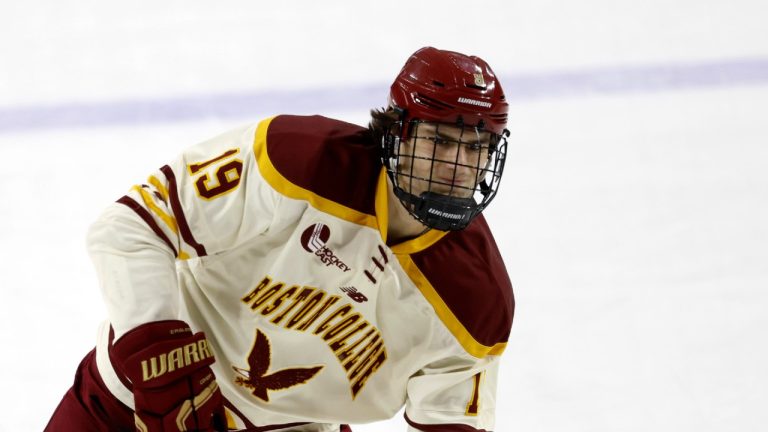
(381, 120)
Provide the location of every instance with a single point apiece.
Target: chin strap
(438, 211)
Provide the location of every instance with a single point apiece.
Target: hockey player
(303, 274)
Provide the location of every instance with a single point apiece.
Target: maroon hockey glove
(174, 388)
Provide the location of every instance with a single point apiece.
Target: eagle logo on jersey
(259, 381)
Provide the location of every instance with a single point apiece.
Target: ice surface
(633, 222)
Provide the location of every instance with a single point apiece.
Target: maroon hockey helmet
(450, 87)
(435, 92)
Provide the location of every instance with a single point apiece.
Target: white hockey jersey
(272, 240)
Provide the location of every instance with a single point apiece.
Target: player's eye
(439, 140)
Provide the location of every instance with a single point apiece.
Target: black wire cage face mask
(444, 174)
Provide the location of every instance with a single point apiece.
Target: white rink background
(632, 217)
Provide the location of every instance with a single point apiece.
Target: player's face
(444, 159)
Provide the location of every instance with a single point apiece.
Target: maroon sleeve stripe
(453, 427)
(144, 214)
(173, 193)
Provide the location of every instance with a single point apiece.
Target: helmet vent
(432, 103)
(438, 83)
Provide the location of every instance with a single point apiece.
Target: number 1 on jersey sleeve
(473, 407)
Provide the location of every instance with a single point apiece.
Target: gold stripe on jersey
(419, 243)
(470, 344)
(381, 205)
(169, 220)
(290, 190)
(161, 189)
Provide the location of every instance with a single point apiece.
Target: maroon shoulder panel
(466, 270)
(335, 160)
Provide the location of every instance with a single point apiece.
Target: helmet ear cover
(390, 140)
